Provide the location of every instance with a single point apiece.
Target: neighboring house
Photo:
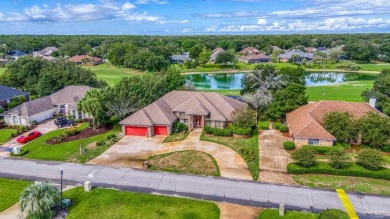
(249, 51)
(322, 48)
(195, 109)
(86, 60)
(7, 93)
(276, 48)
(45, 52)
(286, 57)
(215, 53)
(306, 123)
(259, 58)
(15, 54)
(61, 102)
(180, 59)
(311, 49)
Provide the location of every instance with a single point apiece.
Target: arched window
(15, 120)
(62, 109)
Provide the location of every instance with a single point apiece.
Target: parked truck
(61, 122)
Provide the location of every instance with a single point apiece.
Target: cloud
(142, 2)
(262, 21)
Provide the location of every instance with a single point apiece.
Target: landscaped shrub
(348, 65)
(264, 125)
(243, 117)
(208, 130)
(179, 127)
(352, 170)
(222, 132)
(289, 145)
(35, 122)
(386, 148)
(276, 125)
(304, 157)
(247, 153)
(283, 128)
(21, 154)
(333, 214)
(100, 143)
(338, 159)
(322, 149)
(241, 131)
(70, 132)
(370, 159)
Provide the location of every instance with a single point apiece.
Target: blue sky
(180, 17)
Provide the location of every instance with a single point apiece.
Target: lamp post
(62, 172)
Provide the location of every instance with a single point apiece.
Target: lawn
(107, 203)
(224, 92)
(192, 162)
(355, 184)
(274, 214)
(10, 190)
(68, 151)
(239, 145)
(2, 70)
(5, 135)
(112, 74)
(373, 66)
(175, 137)
(211, 67)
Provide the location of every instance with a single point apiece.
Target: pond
(231, 81)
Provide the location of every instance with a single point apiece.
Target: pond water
(231, 81)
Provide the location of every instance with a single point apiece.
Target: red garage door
(160, 130)
(133, 130)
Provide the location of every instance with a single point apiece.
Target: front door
(198, 121)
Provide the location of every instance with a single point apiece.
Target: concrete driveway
(132, 151)
(44, 128)
(273, 157)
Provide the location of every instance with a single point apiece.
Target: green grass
(224, 92)
(112, 74)
(211, 67)
(387, 159)
(5, 135)
(106, 203)
(365, 185)
(10, 190)
(2, 70)
(175, 137)
(373, 66)
(274, 214)
(192, 162)
(68, 151)
(240, 143)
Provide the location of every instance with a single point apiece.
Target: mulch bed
(86, 133)
(286, 134)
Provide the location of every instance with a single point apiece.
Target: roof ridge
(213, 104)
(162, 111)
(147, 116)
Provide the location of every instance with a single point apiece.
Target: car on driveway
(33, 135)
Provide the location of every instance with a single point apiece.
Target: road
(240, 192)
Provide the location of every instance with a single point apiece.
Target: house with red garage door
(195, 109)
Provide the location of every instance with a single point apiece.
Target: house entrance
(198, 121)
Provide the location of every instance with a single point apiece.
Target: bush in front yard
(333, 214)
(322, 149)
(276, 125)
(179, 127)
(208, 130)
(304, 157)
(241, 131)
(264, 125)
(289, 145)
(283, 128)
(247, 153)
(338, 159)
(71, 132)
(370, 159)
(222, 132)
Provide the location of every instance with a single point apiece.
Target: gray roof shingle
(7, 93)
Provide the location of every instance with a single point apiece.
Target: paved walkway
(132, 151)
(273, 158)
(242, 192)
(232, 211)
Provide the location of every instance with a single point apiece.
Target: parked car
(61, 122)
(33, 135)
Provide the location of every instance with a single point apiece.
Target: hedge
(264, 125)
(276, 125)
(208, 130)
(322, 149)
(222, 132)
(352, 170)
(283, 128)
(241, 131)
(289, 145)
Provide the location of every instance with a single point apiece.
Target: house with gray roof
(61, 102)
(195, 109)
(46, 51)
(286, 57)
(180, 59)
(215, 53)
(8, 93)
(15, 54)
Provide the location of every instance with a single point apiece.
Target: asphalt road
(209, 188)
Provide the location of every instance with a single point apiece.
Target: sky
(195, 17)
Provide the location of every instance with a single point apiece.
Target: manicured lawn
(68, 151)
(193, 162)
(5, 135)
(2, 70)
(239, 145)
(356, 184)
(274, 214)
(112, 74)
(10, 190)
(224, 92)
(106, 203)
(373, 66)
(387, 159)
(175, 137)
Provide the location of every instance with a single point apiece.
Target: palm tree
(37, 200)
(92, 104)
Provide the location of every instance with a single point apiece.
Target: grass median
(10, 190)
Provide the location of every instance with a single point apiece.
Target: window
(182, 115)
(208, 123)
(314, 142)
(62, 109)
(183, 121)
(80, 115)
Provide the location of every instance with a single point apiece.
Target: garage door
(134, 130)
(160, 130)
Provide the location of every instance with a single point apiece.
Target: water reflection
(233, 81)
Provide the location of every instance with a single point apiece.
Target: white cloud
(186, 30)
(127, 6)
(262, 21)
(142, 2)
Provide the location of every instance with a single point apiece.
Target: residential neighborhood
(201, 109)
